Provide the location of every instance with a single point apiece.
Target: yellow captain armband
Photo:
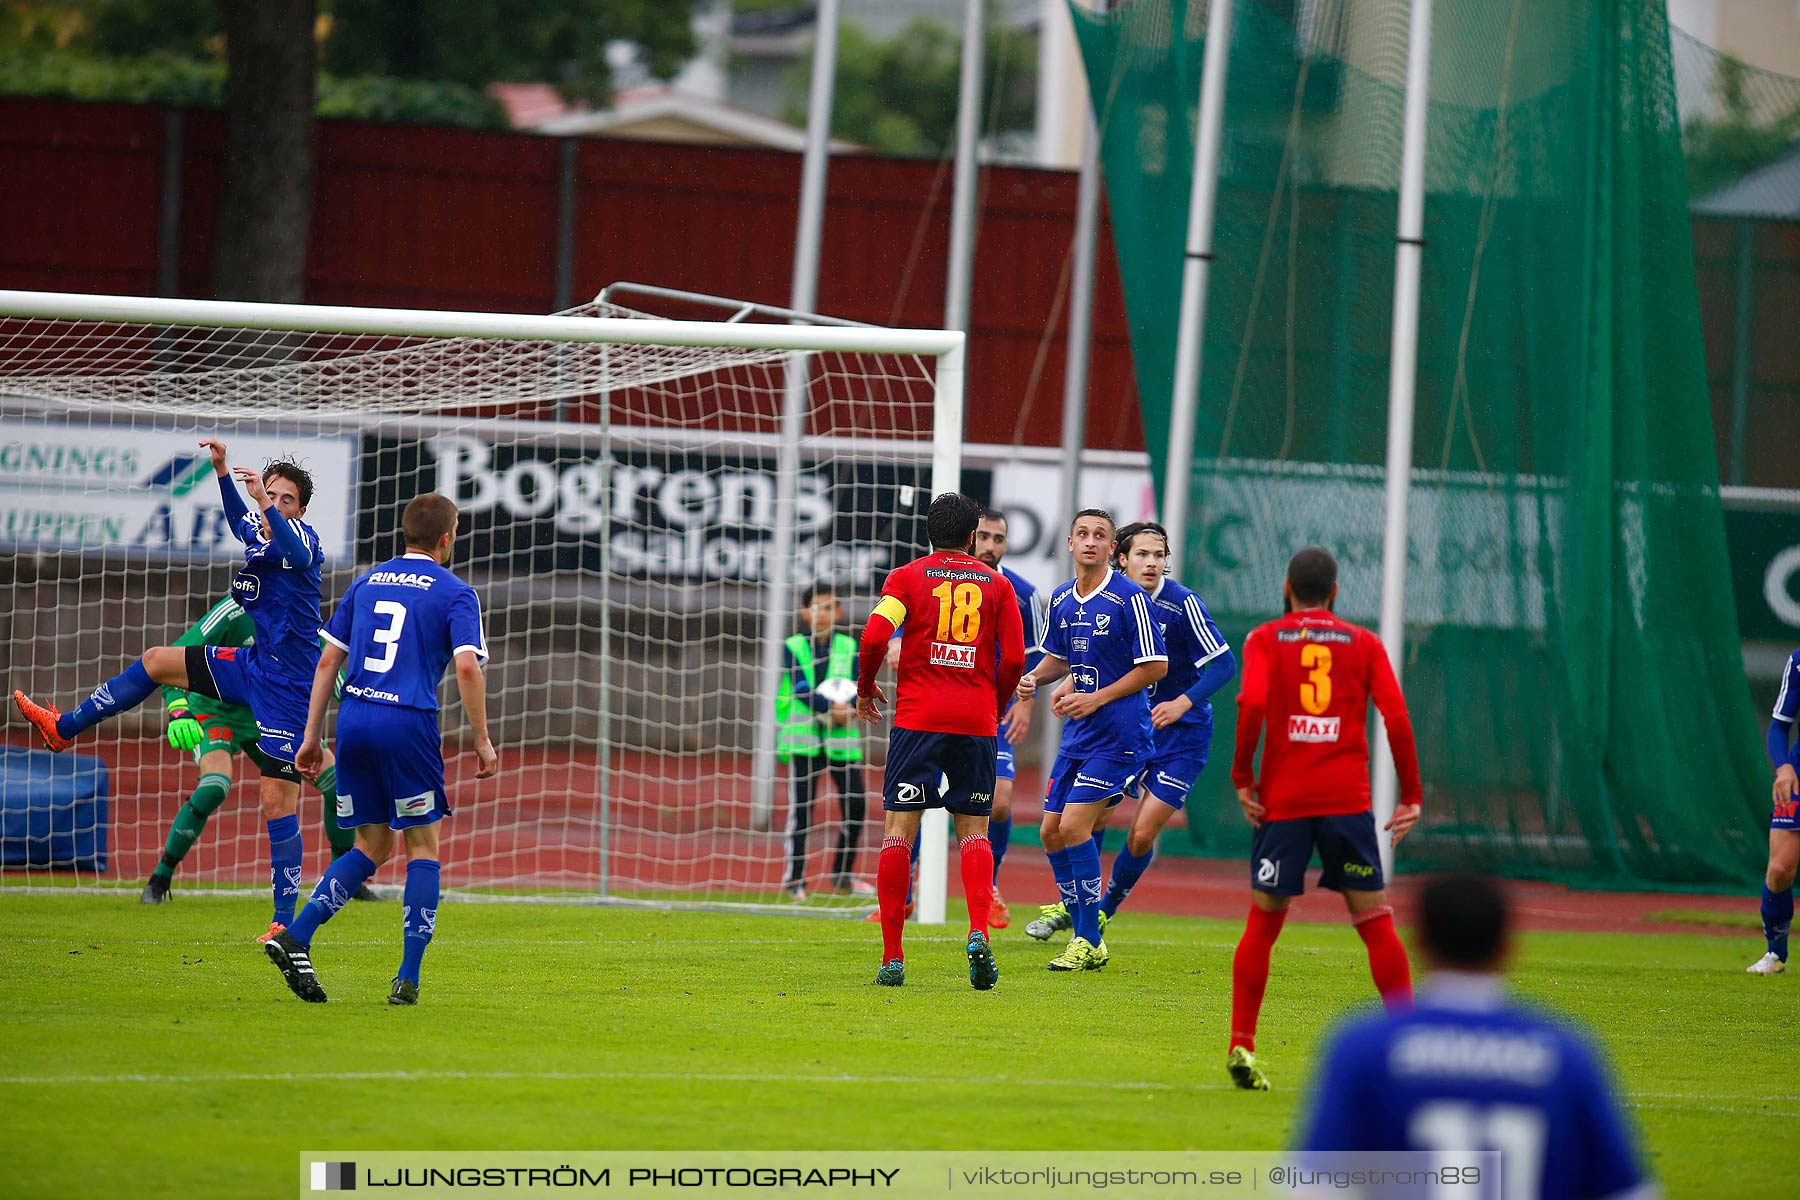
(891, 608)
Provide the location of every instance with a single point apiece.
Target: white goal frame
(947, 347)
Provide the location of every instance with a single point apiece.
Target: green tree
(1723, 148)
(476, 42)
(899, 96)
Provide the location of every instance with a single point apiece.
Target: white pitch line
(1636, 1100)
(578, 1076)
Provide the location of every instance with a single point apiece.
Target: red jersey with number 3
(962, 644)
(1309, 677)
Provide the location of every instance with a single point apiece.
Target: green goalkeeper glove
(184, 731)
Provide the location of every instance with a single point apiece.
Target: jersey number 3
(387, 637)
(959, 612)
(1315, 692)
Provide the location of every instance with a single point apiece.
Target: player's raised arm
(235, 508)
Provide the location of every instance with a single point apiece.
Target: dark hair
(993, 514)
(294, 473)
(951, 521)
(1312, 574)
(1122, 538)
(813, 591)
(1462, 920)
(1092, 512)
(427, 519)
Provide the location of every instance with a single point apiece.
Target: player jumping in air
(397, 628)
(962, 650)
(1467, 1069)
(1102, 636)
(1311, 676)
(213, 732)
(279, 587)
(1784, 826)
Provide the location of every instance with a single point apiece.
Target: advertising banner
(71, 488)
(666, 514)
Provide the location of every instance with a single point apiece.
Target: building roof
(1770, 191)
(662, 113)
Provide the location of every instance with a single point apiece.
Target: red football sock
(1250, 973)
(978, 879)
(1387, 957)
(893, 875)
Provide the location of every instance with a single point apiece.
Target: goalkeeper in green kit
(212, 731)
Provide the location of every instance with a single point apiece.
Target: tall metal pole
(935, 827)
(778, 595)
(1403, 358)
(1075, 375)
(1081, 320)
(1202, 199)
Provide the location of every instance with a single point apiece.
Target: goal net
(644, 501)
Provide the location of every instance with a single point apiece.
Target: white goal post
(649, 497)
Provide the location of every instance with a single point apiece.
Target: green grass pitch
(160, 1045)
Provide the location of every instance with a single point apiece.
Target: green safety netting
(1573, 662)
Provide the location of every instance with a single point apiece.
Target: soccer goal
(644, 502)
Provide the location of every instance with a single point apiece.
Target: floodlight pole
(1081, 321)
(778, 596)
(1409, 244)
(1075, 373)
(934, 827)
(1178, 482)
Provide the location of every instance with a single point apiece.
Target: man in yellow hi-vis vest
(816, 732)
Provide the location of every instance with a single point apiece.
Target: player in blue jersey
(394, 632)
(279, 587)
(1200, 663)
(990, 548)
(1784, 826)
(1467, 1069)
(1101, 636)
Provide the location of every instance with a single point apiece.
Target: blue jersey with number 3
(400, 625)
(1464, 1070)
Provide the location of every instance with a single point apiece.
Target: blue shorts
(1004, 766)
(277, 701)
(1171, 776)
(390, 766)
(919, 763)
(1786, 815)
(1281, 850)
(1098, 777)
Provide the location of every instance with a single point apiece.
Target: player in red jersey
(962, 650)
(1311, 676)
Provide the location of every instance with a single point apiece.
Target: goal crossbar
(410, 322)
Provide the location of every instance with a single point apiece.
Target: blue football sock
(124, 691)
(999, 834)
(418, 915)
(1099, 840)
(340, 882)
(284, 866)
(1084, 866)
(1065, 878)
(1777, 916)
(1127, 867)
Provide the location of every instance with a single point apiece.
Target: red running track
(683, 824)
